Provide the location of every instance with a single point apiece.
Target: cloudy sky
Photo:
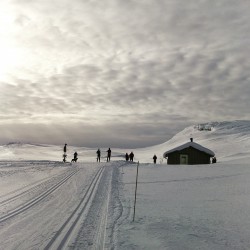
(120, 73)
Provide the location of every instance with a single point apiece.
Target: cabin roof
(187, 145)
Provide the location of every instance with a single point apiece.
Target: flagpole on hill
(136, 189)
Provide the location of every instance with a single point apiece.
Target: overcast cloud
(120, 73)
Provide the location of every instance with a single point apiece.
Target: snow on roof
(190, 144)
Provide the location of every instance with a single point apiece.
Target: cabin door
(183, 159)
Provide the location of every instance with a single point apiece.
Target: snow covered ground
(46, 204)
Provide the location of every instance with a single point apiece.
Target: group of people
(98, 153)
(128, 157)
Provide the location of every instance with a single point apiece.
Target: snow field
(46, 204)
(187, 207)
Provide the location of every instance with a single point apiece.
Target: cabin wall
(194, 156)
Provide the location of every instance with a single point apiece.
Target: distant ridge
(229, 140)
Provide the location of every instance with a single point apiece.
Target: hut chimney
(191, 139)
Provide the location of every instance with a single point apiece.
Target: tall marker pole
(136, 189)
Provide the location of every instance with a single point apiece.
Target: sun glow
(10, 54)
(10, 59)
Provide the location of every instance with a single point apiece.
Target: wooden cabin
(189, 153)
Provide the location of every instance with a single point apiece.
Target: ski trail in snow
(31, 187)
(90, 225)
(37, 199)
(92, 229)
(120, 212)
(106, 221)
(64, 235)
(102, 227)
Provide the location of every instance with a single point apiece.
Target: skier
(64, 152)
(98, 152)
(65, 148)
(126, 156)
(131, 156)
(109, 154)
(154, 158)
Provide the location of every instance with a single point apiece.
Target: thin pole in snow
(136, 189)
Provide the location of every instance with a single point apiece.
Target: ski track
(32, 188)
(66, 232)
(36, 199)
(92, 232)
(92, 224)
(120, 210)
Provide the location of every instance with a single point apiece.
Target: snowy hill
(230, 140)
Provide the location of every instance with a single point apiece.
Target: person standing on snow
(75, 156)
(214, 160)
(131, 156)
(64, 152)
(126, 156)
(98, 152)
(154, 158)
(109, 154)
